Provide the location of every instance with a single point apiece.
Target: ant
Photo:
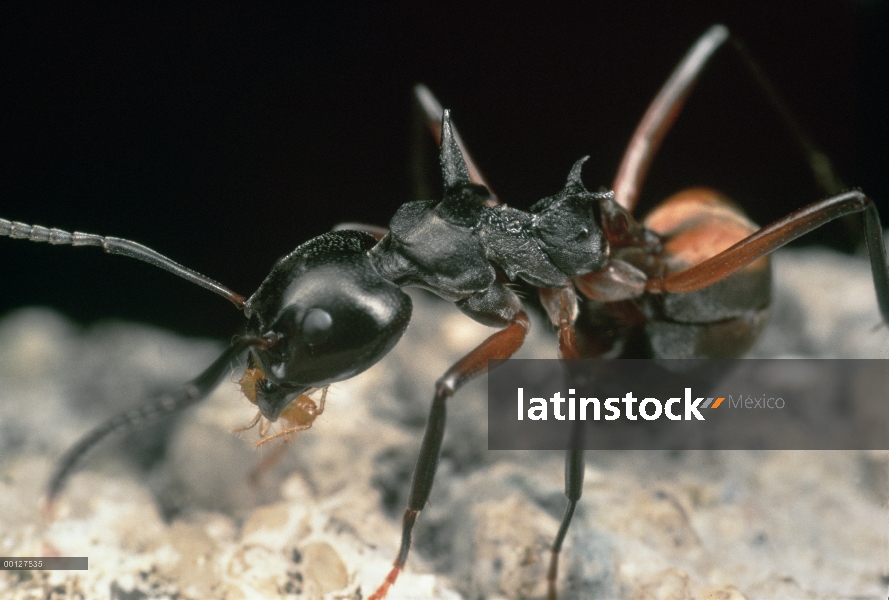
(691, 280)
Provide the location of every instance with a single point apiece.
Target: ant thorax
(456, 247)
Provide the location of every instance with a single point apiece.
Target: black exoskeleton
(462, 249)
(334, 304)
(331, 313)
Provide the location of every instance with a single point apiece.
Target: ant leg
(819, 163)
(666, 106)
(574, 469)
(781, 232)
(249, 425)
(266, 463)
(501, 345)
(561, 306)
(193, 392)
(113, 245)
(660, 116)
(429, 115)
(282, 433)
(300, 413)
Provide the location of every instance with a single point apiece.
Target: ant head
(330, 314)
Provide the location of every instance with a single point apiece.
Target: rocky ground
(172, 513)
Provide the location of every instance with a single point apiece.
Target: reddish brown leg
(567, 314)
(770, 238)
(666, 106)
(501, 345)
(661, 114)
(431, 114)
(561, 305)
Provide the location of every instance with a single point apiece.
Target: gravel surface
(180, 511)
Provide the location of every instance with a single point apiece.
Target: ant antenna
(113, 245)
(190, 394)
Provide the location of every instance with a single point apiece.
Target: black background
(223, 136)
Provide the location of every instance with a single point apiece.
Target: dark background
(225, 136)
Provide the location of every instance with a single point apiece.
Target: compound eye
(317, 325)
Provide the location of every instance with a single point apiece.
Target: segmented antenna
(190, 394)
(113, 245)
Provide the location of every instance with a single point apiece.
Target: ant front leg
(501, 345)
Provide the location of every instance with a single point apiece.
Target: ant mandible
(691, 280)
